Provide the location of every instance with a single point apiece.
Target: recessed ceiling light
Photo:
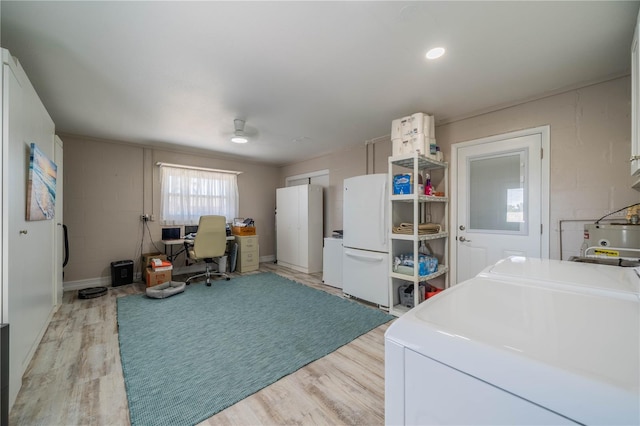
(435, 53)
(301, 139)
(239, 139)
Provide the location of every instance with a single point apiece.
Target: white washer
(528, 341)
(597, 279)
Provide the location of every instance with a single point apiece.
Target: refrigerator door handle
(383, 210)
(365, 258)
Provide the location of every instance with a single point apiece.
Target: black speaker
(4, 374)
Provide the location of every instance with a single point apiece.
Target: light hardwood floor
(75, 377)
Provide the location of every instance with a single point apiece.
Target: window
(188, 193)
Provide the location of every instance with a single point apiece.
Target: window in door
(497, 192)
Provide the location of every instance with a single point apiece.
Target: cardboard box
(243, 230)
(417, 143)
(146, 259)
(157, 277)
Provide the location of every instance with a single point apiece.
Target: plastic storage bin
(121, 272)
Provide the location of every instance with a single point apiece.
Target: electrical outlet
(144, 217)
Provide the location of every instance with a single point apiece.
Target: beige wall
(109, 184)
(590, 148)
(355, 160)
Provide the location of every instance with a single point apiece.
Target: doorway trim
(545, 133)
(305, 175)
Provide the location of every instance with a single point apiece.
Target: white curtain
(187, 194)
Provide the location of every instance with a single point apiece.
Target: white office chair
(210, 243)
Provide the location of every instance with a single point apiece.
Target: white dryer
(527, 341)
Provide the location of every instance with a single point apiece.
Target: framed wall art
(41, 188)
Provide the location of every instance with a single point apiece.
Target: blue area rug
(192, 355)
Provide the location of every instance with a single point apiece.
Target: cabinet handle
(364, 258)
(23, 231)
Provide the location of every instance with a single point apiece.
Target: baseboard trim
(265, 259)
(106, 281)
(93, 282)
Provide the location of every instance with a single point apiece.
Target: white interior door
(501, 200)
(287, 225)
(58, 252)
(303, 226)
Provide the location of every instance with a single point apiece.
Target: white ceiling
(311, 77)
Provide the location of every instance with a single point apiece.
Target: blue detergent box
(402, 184)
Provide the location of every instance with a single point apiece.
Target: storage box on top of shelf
(403, 184)
(243, 230)
(412, 125)
(156, 277)
(418, 143)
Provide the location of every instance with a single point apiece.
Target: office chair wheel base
(208, 284)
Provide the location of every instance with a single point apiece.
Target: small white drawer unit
(248, 253)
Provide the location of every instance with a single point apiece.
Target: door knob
(463, 239)
(462, 228)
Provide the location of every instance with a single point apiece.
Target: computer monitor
(170, 233)
(190, 229)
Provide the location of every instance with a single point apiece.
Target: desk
(169, 244)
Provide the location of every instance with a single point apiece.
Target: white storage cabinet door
(287, 225)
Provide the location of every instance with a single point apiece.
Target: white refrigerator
(365, 266)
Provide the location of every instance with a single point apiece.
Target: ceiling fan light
(239, 139)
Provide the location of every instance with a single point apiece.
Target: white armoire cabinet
(29, 253)
(299, 228)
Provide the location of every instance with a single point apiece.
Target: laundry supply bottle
(428, 190)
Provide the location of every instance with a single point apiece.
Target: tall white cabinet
(299, 228)
(29, 251)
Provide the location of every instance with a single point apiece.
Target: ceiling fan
(242, 133)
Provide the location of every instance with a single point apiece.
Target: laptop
(170, 233)
(190, 229)
(190, 232)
